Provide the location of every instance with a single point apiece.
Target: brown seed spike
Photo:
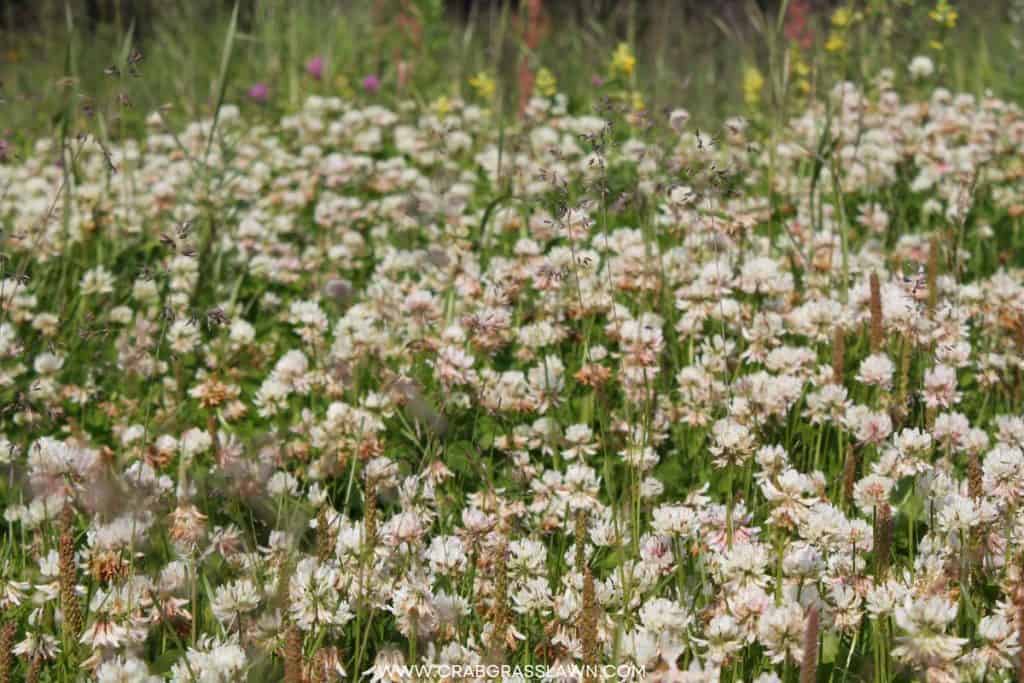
(500, 605)
(324, 538)
(34, 669)
(838, 355)
(580, 532)
(588, 626)
(883, 540)
(318, 669)
(6, 644)
(284, 579)
(849, 473)
(877, 331)
(69, 575)
(370, 515)
(809, 664)
(974, 476)
(293, 655)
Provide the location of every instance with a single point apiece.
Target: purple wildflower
(371, 83)
(315, 67)
(259, 92)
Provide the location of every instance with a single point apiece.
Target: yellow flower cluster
(944, 14)
(623, 60)
(546, 83)
(801, 70)
(484, 85)
(842, 17)
(753, 81)
(841, 20)
(442, 106)
(637, 101)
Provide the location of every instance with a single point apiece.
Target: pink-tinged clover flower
(315, 67)
(259, 92)
(371, 83)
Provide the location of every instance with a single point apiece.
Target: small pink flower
(315, 67)
(259, 92)
(371, 83)
(596, 81)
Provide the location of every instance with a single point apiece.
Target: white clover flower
(125, 669)
(872, 491)
(314, 599)
(940, 387)
(282, 484)
(660, 615)
(194, 442)
(121, 315)
(241, 332)
(98, 280)
(876, 370)
(48, 363)
(183, 336)
(921, 67)
(133, 434)
(234, 600)
(7, 451)
(781, 632)
(923, 622)
(212, 661)
(446, 555)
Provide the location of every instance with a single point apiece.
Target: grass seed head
(877, 330)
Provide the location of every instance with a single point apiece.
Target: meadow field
(377, 341)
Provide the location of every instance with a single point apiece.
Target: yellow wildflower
(835, 42)
(944, 14)
(484, 85)
(753, 81)
(638, 101)
(442, 106)
(841, 17)
(546, 83)
(623, 60)
(799, 64)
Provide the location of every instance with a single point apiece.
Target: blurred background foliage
(123, 59)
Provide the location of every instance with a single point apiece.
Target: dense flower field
(374, 386)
